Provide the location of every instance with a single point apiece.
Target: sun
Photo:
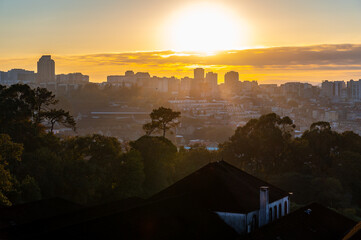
(206, 27)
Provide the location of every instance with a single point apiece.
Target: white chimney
(263, 206)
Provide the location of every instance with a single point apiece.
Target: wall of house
(275, 208)
(245, 223)
(236, 220)
(250, 216)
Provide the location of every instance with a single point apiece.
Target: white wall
(236, 220)
(242, 223)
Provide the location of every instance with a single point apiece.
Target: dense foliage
(322, 165)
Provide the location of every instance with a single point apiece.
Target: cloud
(282, 57)
(307, 63)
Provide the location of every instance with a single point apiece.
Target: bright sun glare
(205, 28)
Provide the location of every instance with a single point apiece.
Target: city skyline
(312, 64)
(274, 42)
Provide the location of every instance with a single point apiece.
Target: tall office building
(3, 77)
(46, 69)
(339, 86)
(197, 83)
(327, 89)
(335, 90)
(354, 89)
(211, 82)
(185, 85)
(199, 74)
(231, 79)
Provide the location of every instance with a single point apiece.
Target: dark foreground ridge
(189, 209)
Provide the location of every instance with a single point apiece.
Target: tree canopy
(322, 165)
(162, 119)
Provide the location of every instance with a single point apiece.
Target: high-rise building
(173, 85)
(46, 69)
(15, 76)
(231, 79)
(199, 74)
(296, 89)
(185, 85)
(211, 82)
(3, 77)
(327, 88)
(197, 83)
(72, 78)
(21, 76)
(129, 73)
(339, 86)
(334, 90)
(354, 89)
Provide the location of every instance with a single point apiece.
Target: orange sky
(267, 65)
(106, 37)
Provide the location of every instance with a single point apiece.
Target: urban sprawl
(204, 104)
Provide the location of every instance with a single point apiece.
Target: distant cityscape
(201, 99)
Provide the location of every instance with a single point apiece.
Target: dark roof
(177, 218)
(67, 218)
(220, 186)
(310, 222)
(354, 233)
(28, 212)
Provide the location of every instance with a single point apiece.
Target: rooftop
(313, 221)
(222, 187)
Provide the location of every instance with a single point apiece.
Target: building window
(254, 224)
(275, 211)
(279, 210)
(270, 214)
(286, 208)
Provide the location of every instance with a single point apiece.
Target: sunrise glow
(206, 28)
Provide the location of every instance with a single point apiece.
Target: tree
(15, 105)
(22, 110)
(158, 156)
(324, 143)
(162, 119)
(101, 171)
(260, 145)
(42, 100)
(59, 116)
(150, 127)
(29, 190)
(9, 154)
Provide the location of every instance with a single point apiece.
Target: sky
(271, 40)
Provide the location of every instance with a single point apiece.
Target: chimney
(263, 206)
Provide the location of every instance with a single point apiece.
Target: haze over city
(276, 42)
(180, 119)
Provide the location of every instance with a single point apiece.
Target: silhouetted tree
(260, 145)
(100, 169)
(323, 142)
(42, 100)
(59, 116)
(162, 119)
(158, 155)
(150, 127)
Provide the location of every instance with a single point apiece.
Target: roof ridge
(252, 176)
(222, 186)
